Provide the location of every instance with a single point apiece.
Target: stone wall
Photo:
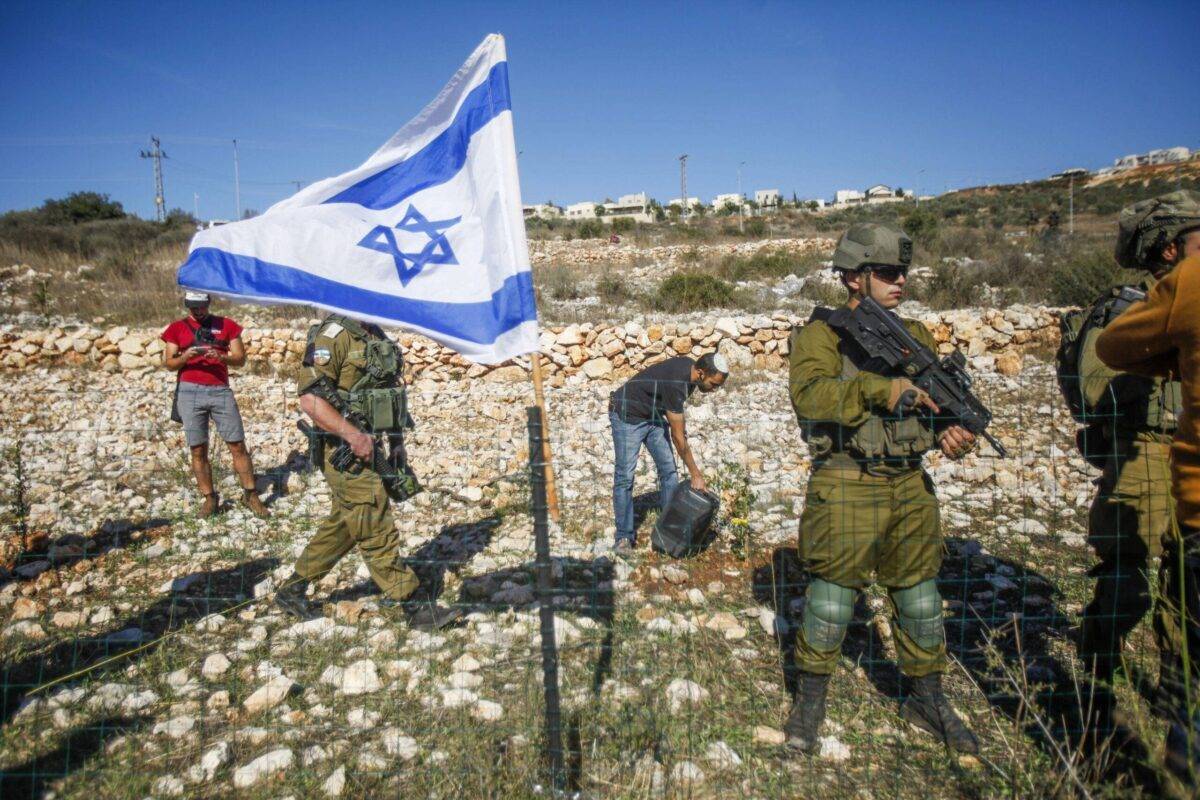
(992, 339)
(586, 252)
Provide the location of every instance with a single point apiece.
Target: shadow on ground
(34, 778)
(41, 553)
(200, 594)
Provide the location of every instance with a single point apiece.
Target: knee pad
(827, 614)
(919, 613)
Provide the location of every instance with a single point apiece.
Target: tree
(598, 210)
(922, 225)
(674, 210)
(177, 216)
(81, 207)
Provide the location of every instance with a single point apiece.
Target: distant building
(848, 197)
(882, 193)
(1073, 172)
(767, 198)
(722, 200)
(692, 203)
(584, 210)
(1167, 155)
(633, 206)
(542, 211)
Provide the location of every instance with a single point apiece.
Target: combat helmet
(872, 243)
(1147, 226)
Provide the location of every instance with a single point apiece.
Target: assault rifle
(399, 480)
(882, 336)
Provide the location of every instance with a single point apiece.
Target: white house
(722, 200)
(692, 203)
(767, 198)
(848, 197)
(633, 206)
(584, 210)
(1167, 155)
(882, 193)
(542, 211)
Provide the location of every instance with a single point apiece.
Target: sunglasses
(889, 274)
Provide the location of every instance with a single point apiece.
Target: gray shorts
(199, 403)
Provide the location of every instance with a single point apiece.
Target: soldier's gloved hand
(361, 444)
(905, 398)
(956, 441)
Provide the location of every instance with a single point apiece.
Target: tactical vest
(880, 446)
(1130, 404)
(378, 397)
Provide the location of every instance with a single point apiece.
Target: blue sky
(812, 97)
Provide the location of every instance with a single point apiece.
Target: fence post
(545, 595)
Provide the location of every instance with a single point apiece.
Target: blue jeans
(628, 438)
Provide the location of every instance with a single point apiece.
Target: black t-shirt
(654, 391)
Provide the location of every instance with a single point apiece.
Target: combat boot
(209, 507)
(808, 712)
(290, 596)
(927, 708)
(251, 500)
(426, 616)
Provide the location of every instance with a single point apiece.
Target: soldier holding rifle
(872, 399)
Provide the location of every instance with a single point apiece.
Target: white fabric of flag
(428, 234)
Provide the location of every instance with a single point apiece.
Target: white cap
(720, 363)
(191, 297)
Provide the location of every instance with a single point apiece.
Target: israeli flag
(427, 235)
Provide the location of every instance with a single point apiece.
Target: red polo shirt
(203, 369)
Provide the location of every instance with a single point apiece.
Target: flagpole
(539, 399)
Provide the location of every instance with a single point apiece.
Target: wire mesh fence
(143, 655)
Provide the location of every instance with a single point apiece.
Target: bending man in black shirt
(641, 412)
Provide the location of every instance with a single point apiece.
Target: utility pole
(1071, 206)
(237, 183)
(299, 184)
(196, 205)
(683, 198)
(741, 201)
(160, 203)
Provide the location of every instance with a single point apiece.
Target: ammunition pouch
(382, 410)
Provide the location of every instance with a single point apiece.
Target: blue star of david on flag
(409, 265)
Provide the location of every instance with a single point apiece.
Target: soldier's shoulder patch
(321, 356)
(332, 329)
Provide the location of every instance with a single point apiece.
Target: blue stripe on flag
(249, 277)
(441, 159)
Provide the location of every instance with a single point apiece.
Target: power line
(160, 202)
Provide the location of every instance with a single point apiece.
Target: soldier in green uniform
(353, 370)
(1130, 423)
(871, 515)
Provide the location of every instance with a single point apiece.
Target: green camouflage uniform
(360, 512)
(1136, 418)
(871, 514)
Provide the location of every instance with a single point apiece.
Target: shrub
(560, 282)
(613, 291)
(590, 229)
(756, 227)
(922, 225)
(693, 291)
(1080, 275)
(766, 263)
(623, 224)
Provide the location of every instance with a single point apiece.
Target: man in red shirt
(201, 347)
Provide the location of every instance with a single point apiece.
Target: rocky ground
(148, 630)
